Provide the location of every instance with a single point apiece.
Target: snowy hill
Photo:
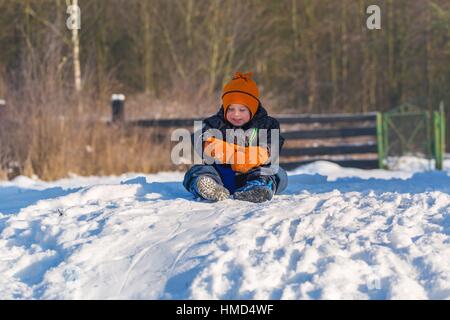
(336, 233)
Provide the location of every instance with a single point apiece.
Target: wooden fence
(330, 132)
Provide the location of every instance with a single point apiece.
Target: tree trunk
(392, 81)
(295, 28)
(344, 56)
(76, 61)
(214, 58)
(149, 85)
(311, 59)
(365, 69)
(190, 6)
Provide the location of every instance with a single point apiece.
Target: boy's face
(238, 114)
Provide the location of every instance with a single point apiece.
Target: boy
(241, 168)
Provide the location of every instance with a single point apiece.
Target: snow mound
(336, 233)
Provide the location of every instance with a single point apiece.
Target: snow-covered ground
(336, 233)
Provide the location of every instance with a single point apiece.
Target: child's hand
(220, 150)
(242, 159)
(247, 158)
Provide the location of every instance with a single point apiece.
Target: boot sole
(211, 190)
(255, 195)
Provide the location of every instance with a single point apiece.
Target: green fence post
(430, 132)
(437, 128)
(442, 131)
(380, 141)
(385, 134)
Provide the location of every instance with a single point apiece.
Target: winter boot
(207, 188)
(258, 190)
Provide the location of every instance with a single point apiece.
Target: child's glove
(250, 157)
(219, 150)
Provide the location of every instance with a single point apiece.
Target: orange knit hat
(241, 89)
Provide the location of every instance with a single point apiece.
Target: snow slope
(336, 233)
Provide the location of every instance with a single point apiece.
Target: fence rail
(329, 150)
(329, 118)
(355, 126)
(283, 119)
(353, 163)
(330, 133)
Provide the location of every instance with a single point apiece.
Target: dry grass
(43, 132)
(53, 147)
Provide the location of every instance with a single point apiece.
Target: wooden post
(380, 141)
(443, 130)
(439, 137)
(2, 107)
(437, 140)
(118, 108)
